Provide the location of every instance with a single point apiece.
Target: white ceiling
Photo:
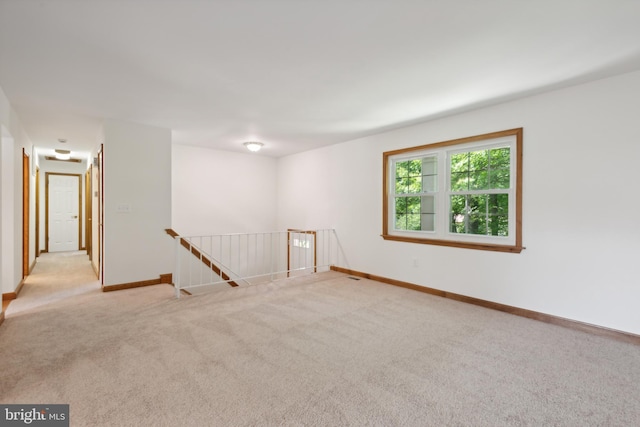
(295, 74)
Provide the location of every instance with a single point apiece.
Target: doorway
(301, 256)
(63, 212)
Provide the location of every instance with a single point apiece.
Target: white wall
(581, 151)
(12, 139)
(222, 192)
(7, 220)
(137, 175)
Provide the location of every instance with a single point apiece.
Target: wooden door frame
(25, 213)
(37, 211)
(88, 212)
(101, 214)
(46, 224)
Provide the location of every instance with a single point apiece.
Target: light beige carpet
(320, 350)
(56, 276)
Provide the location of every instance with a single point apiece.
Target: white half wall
(217, 192)
(137, 202)
(581, 150)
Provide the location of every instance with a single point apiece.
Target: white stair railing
(241, 259)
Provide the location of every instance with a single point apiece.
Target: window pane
(429, 183)
(400, 170)
(478, 180)
(469, 214)
(484, 214)
(429, 174)
(498, 225)
(413, 205)
(409, 177)
(477, 207)
(477, 204)
(460, 162)
(499, 178)
(498, 215)
(428, 204)
(477, 224)
(480, 170)
(478, 160)
(498, 204)
(458, 205)
(414, 184)
(408, 168)
(460, 181)
(429, 166)
(457, 215)
(499, 158)
(409, 222)
(413, 222)
(408, 213)
(428, 222)
(415, 167)
(458, 222)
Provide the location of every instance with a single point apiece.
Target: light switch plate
(123, 208)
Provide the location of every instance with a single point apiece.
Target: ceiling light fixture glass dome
(253, 145)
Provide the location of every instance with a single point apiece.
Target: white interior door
(64, 205)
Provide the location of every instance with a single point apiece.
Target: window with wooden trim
(465, 193)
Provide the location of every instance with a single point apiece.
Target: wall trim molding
(9, 296)
(13, 295)
(163, 279)
(522, 312)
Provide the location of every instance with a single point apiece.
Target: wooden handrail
(205, 260)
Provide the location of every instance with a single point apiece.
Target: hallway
(56, 276)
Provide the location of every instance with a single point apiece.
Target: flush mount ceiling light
(63, 154)
(253, 145)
